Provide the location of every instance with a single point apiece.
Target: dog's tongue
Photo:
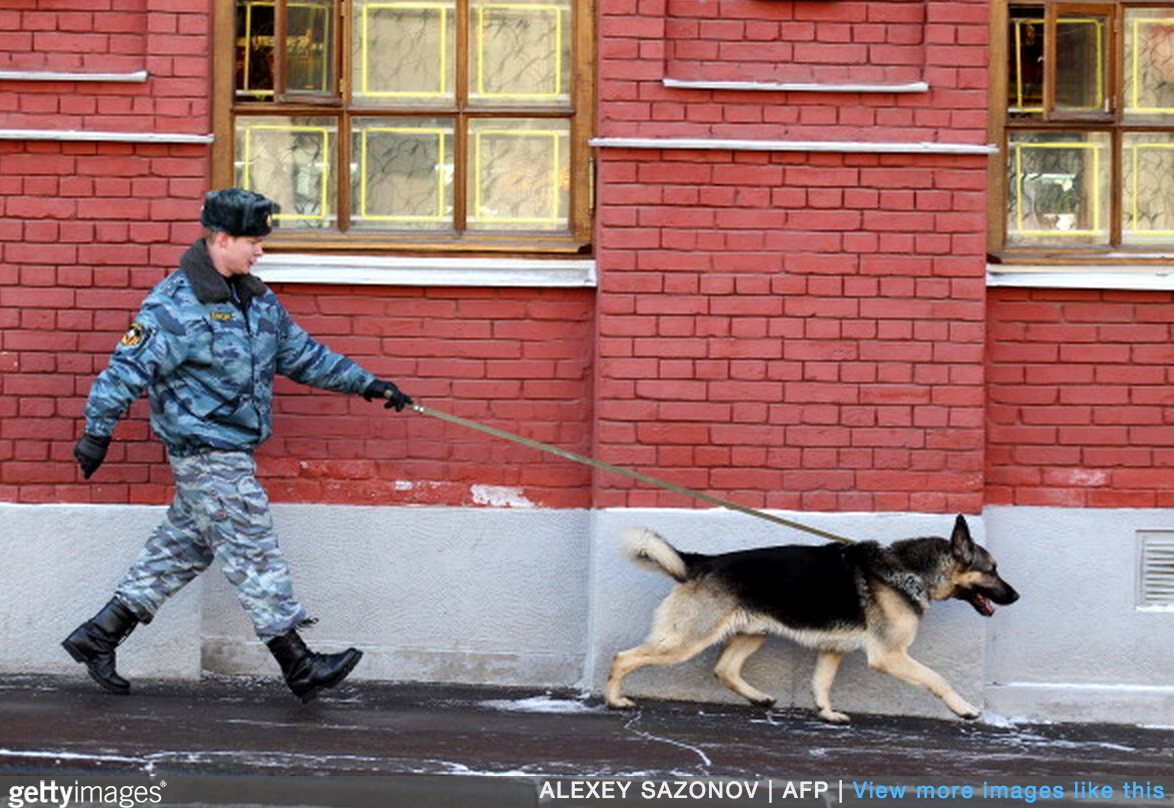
(984, 605)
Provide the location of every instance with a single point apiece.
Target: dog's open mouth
(981, 603)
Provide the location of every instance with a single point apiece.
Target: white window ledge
(796, 86)
(418, 271)
(1139, 277)
(135, 77)
(829, 146)
(73, 136)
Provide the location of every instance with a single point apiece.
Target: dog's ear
(960, 542)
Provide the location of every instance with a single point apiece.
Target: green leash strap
(634, 475)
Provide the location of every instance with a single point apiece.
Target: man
(205, 346)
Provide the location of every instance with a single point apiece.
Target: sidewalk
(244, 726)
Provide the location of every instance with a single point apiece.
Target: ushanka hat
(238, 212)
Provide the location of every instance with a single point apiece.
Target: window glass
(1148, 188)
(404, 53)
(254, 50)
(1026, 61)
(403, 173)
(309, 58)
(521, 53)
(1149, 62)
(1059, 187)
(291, 159)
(1081, 63)
(520, 174)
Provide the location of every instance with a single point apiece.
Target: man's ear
(217, 240)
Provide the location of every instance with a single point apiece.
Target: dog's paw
(834, 717)
(766, 702)
(965, 710)
(621, 703)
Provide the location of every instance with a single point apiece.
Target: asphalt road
(485, 743)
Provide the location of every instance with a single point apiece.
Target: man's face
(235, 255)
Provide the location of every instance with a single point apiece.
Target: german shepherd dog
(834, 598)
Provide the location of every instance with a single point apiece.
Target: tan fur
(646, 549)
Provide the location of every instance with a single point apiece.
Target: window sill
(135, 77)
(424, 271)
(796, 86)
(1139, 277)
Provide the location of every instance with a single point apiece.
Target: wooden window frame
(1000, 125)
(575, 243)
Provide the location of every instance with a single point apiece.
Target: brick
(714, 267)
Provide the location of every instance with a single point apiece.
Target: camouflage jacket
(206, 351)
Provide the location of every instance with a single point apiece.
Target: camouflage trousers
(220, 512)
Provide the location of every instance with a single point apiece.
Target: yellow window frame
(325, 133)
(1096, 149)
(555, 137)
(363, 183)
(365, 71)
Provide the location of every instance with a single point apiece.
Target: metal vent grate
(1155, 585)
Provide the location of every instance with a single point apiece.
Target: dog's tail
(646, 549)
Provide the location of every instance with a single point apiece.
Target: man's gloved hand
(90, 452)
(381, 389)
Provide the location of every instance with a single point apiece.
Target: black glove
(90, 452)
(382, 389)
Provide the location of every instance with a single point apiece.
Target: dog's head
(975, 575)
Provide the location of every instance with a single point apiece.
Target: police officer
(205, 346)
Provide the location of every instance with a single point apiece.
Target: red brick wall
(793, 331)
(87, 228)
(166, 38)
(796, 42)
(518, 360)
(788, 329)
(1080, 397)
(73, 270)
(95, 36)
(940, 42)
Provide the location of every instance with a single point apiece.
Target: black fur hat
(238, 212)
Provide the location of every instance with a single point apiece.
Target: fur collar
(886, 566)
(212, 287)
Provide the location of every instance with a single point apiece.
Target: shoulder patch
(134, 336)
(223, 316)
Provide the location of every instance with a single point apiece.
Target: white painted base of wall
(542, 599)
(61, 563)
(1047, 702)
(1079, 647)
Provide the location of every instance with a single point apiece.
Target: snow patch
(540, 704)
(500, 496)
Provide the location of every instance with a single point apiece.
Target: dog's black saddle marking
(802, 587)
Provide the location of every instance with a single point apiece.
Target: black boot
(93, 643)
(307, 672)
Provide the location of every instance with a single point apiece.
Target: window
(1083, 110)
(423, 124)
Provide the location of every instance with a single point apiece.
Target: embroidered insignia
(223, 316)
(133, 336)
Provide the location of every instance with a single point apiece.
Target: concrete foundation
(543, 599)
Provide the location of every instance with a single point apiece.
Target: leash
(634, 475)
